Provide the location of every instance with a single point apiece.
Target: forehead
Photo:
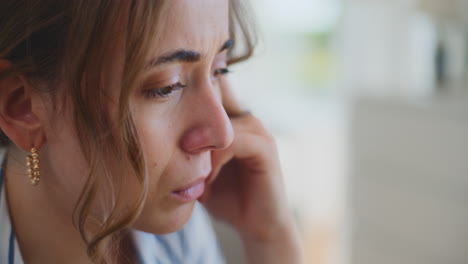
(201, 25)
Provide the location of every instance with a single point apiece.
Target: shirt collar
(9, 250)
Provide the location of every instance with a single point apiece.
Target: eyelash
(163, 92)
(221, 71)
(167, 91)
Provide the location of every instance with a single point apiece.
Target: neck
(44, 233)
(42, 221)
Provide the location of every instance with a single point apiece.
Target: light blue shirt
(195, 243)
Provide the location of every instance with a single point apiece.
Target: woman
(117, 117)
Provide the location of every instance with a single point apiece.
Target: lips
(191, 192)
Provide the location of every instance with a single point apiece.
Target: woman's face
(178, 110)
(178, 114)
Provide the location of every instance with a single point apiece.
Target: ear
(17, 119)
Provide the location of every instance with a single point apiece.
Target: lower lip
(190, 194)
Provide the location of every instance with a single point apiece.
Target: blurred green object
(318, 65)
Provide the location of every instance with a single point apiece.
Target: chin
(164, 221)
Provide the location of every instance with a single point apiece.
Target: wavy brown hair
(63, 48)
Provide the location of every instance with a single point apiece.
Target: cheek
(159, 141)
(63, 166)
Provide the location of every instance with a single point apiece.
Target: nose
(210, 128)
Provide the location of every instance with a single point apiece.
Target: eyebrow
(183, 55)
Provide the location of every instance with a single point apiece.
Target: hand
(246, 188)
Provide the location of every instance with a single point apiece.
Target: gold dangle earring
(32, 162)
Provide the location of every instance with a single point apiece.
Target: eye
(163, 92)
(220, 72)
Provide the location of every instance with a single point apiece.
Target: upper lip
(192, 184)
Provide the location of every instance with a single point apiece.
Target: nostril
(212, 130)
(205, 138)
(194, 139)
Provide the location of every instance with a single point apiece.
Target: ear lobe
(17, 119)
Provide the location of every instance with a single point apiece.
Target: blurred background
(368, 101)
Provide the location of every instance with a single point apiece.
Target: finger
(249, 143)
(230, 102)
(251, 137)
(218, 160)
